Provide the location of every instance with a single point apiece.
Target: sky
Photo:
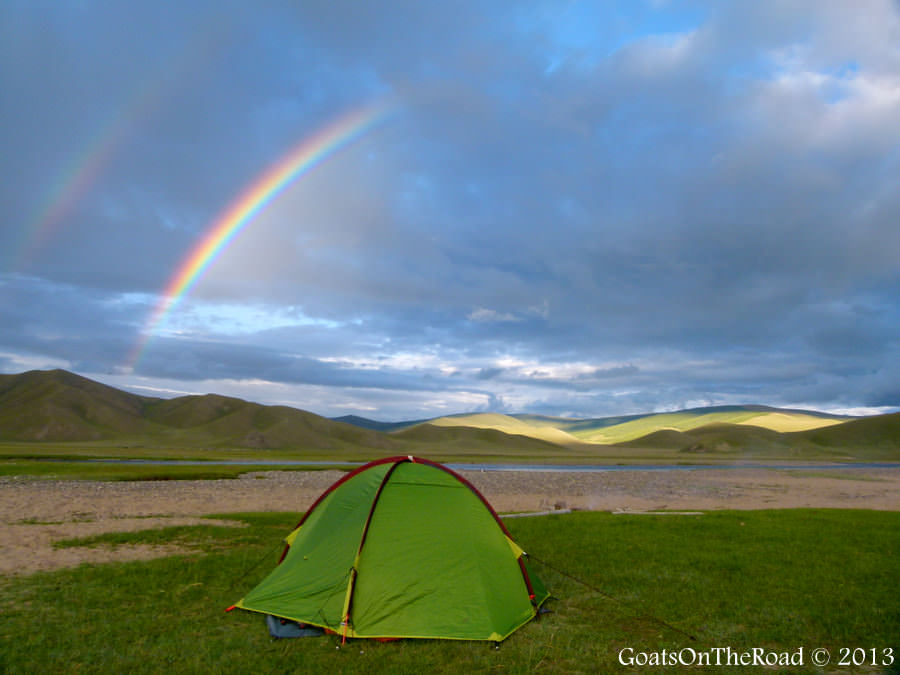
(565, 208)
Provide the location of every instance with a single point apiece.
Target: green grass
(773, 579)
(21, 450)
(35, 461)
(43, 461)
(85, 470)
(191, 536)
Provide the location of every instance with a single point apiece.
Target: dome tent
(402, 547)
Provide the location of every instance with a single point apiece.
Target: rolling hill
(874, 438)
(702, 434)
(507, 424)
(879, 434)
(64, 408)
(717, 438)
(60, 407)
(375, 425)
(772, 419)
(622, 430)
(474, 440)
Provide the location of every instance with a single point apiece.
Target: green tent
(402, 547)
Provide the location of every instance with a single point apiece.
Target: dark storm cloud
(573, 209)
(73, 323)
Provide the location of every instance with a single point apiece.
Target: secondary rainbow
(95, 155)
(302, 158)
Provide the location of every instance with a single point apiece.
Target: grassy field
(84, 470)
(779, 580)
(42, 461)
(749, 445)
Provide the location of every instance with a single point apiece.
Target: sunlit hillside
(785, 421)
(508, 425)
(616, 430)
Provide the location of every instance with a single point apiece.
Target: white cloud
(490, 315)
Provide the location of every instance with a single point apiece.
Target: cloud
(582, 209)
(482, 314)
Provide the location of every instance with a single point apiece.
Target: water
(456, 466)
(594, 468)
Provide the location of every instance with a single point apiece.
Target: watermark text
(759, 656)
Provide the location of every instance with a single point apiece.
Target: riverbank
(34, 514)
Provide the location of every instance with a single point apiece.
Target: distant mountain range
(61, 407)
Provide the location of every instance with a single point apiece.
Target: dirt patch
(28, 546)
(34, 514)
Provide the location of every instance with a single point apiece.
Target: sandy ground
(34, 514)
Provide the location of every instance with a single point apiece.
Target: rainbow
(71, 185)
(310, 152)
(78, 176)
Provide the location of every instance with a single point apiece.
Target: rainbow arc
(305, 156)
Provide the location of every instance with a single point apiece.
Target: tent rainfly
(402, 548)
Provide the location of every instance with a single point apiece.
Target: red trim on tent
(387, 477)
(527, 579)
(468, 485)
(365, 533)
(343, 479)
(493, 513)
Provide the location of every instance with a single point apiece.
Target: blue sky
(574, 209)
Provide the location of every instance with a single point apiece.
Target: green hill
(462, 441)
(756, 416)
(700, 434)
(509, 425)
(58, 406)
(869, 439)
(577, 426)
(61, 407)
(375, 425)
(717, 438)
(217, 421)
(877, 437)
(624, 429)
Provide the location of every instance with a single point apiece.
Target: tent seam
(354, 571)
